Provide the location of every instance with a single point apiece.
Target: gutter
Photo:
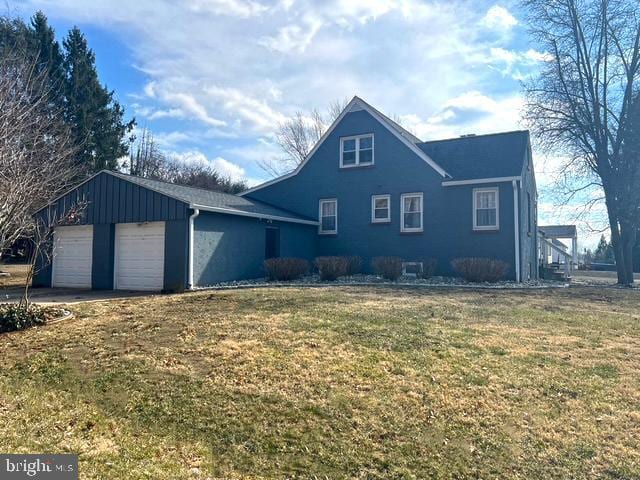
(262, 216)
(192, 218)
(480, 181)
(516, 227)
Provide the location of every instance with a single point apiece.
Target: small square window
(380, 208)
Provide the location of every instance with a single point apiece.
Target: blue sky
(213, 78)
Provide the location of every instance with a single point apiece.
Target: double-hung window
(411, 212)
(380, 209)
(485, 209)
(356, 151)
(328, 216)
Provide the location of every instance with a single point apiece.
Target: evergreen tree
(604, 251)
(48, 57)
(15, 39)
(95, 117)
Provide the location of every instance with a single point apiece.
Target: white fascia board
(233, 211)
(354, 105)
(480, 181)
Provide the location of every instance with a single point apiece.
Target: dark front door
(272, 243)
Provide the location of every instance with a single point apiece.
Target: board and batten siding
(109, 200)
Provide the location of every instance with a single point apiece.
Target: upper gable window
(356, 151)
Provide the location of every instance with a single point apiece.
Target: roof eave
(242, 213)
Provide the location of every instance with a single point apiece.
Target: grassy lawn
(334, 383)
(18, 275)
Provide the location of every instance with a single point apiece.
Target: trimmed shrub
(429, 266)
(331, 268)
(354, 265)
(285, 269)
(387, 267)
(15, 317)
(476, 269)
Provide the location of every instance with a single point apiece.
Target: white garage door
(139, 256)
(72, 257)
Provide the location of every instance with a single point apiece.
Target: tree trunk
(628, 237)
(616, 241)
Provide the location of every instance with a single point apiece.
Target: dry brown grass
(18, 275)
(334, 382)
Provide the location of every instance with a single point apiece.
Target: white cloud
(499, 18)
(237, 8)
(470, 112)
(228, 169)
(221, 165)
(293, 38)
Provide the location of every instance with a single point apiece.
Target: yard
(333, 383)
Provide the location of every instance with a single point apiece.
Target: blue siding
(448, 222)
(229, 247)
(103, 248)
(529, 222)
(176, 254)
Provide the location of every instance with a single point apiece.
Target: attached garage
(133, 233)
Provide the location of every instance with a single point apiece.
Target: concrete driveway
(54, 296)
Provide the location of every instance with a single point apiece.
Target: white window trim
(321, 202)
(357, 139)
(476, 191)
(373, 208)
(403, 229)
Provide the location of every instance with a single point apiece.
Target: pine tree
(96, 118)
(48, 57)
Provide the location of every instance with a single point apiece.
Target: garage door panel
(139, 262)
(72, 257)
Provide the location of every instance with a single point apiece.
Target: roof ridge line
(464, 137)
(171, 183)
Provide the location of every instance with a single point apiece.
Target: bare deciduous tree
(145, 158)
(36, 154)
(298, 135)
(580, 103)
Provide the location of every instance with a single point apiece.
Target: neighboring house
(554, 256)
(368, 188)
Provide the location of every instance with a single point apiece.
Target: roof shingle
(211, 198)
(480, 156)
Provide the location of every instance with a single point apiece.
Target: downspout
(516, 227)
(192, 219)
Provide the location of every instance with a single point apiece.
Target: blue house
(368, 188)
(377, 190)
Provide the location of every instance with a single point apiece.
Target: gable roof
(208, 200)
(354, 105)
(481, 156)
